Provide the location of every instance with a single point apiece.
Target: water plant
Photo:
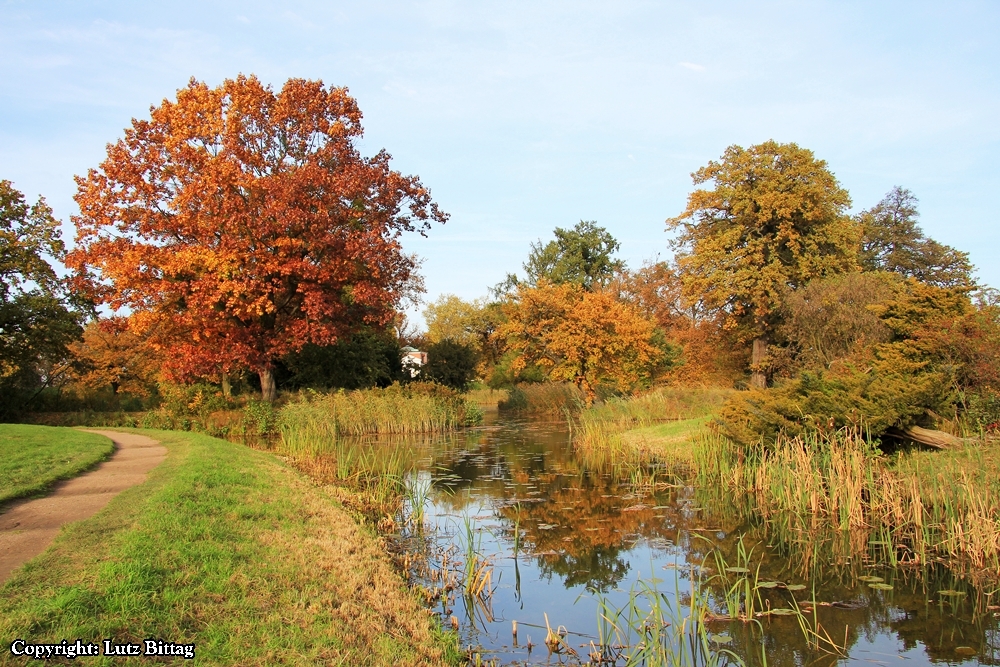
(478, 574)
(914, 506)
(416, 492)
(654, 629)
(740, 583)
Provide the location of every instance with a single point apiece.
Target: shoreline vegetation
(219, 534)
(920, 506)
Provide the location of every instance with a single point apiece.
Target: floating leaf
(880, 586)
(782, 612)
(737, 570)
(795, 587)
(872, 580)
(768, 584)
(966, 650)
(951, 594)
(721, 638)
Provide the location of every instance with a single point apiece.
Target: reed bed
(487, 398)
(917, 505)
(368, 440)
(312, 417)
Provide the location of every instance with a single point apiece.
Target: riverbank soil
(228, 549)
(28, 527)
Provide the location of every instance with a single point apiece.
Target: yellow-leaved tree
(589, 338)
(775, 219)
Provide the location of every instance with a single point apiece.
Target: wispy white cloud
(692, 66)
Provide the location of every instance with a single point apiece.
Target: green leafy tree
(893, 241)
(450, 363)
(579, 256)
(774, 219)
(35, 323)
(367, 358)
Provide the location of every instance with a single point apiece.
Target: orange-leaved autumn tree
(239, 224)
(590, 338)
(111, 355)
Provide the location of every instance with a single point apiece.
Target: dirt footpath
(28, 527)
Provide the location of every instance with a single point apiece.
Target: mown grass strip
(231, 550)
(33, 458)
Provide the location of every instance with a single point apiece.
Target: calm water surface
(585, 538)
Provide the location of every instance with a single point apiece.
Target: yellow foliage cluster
(589, 338)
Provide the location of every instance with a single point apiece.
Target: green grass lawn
(670, 441)
(32, 458)
(231, 550)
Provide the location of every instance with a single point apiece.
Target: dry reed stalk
(951, 509)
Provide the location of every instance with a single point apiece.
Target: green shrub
(260, 418)
(868, 399)
(983, 410)
(450, 363)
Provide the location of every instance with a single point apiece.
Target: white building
(413, 359)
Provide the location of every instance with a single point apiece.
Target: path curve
(28, 527)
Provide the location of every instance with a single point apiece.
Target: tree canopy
(36, 324)
(775, 219)
(893, 241)
(452, 318)
(450, 363)
(580, 256)
(589, 338)
(239, 224)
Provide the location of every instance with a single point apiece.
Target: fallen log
(925, 436)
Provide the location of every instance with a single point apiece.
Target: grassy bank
(418, 407)
(919, 505)
(660, 426)
(231, 550)
(33, 458)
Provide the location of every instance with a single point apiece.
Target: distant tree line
(237, 237)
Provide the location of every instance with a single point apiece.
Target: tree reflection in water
(585, 534)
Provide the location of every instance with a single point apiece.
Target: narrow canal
(552, 544)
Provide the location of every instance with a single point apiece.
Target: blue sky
(524, 116)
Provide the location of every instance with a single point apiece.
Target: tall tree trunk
(268, 389)
(758, 378)
(227, 389)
